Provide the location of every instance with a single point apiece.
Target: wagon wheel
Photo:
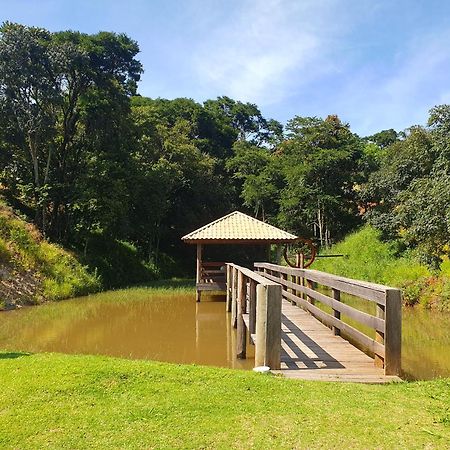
(301, 246)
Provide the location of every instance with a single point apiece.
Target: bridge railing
(299, 287)
(255, 306)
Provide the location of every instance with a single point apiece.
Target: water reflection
(425, 338)
(172, 328)
(139, 324)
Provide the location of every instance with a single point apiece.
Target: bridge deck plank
(311, 351)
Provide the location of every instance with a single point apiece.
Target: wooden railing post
(241, 338)
(261, 314)
(268, 326)
(198, 276)
(234, 297)
(336, 296)
(310, 285)
(393, 333)
(229, 287)
(379, 335)
(252, 307)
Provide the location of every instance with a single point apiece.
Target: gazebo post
(234, 228)
(199, 270)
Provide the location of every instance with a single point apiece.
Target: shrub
(56, 270)
(368, 258)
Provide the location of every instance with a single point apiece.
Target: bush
(57, 272)
(368, 258)
(117, 262)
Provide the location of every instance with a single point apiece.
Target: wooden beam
(252, 307)
(234, 297)
(241, 334)
(336, 296)
(199, 270)
(229, 287)
(379, 334)
(393, 333)
(268, 326)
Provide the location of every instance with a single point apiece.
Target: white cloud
(266, 50)
(401, 94)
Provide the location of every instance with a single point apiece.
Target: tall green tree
(320, 160)
(410, 193)
(63, 97)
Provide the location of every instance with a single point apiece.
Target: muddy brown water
(425, 338)
(172, 327)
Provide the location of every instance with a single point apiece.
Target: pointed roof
(237, 227)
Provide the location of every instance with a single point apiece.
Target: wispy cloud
(400, 94)
(265, 51)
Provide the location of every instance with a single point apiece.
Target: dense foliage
(33, 270)
(408, 197)
(119, 177)
(367, 257)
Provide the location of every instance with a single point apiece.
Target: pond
(146, 324)
(425, 338)
(135, 323)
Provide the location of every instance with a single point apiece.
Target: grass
(52, 272)
(368, 258)
(59, 401)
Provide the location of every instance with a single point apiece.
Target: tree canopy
(89, 160)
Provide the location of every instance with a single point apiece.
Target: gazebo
(234, 228)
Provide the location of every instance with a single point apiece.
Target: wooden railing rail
(212, 272)
(298, 287)
(255, 306)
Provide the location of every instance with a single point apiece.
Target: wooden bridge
(302, 329)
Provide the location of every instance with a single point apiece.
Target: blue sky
(377, 64)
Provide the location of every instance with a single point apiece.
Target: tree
(404, 162)
(245, 121)
(260, 176)
(62, 97)
(320, 160)
(384, 138)
(409, 194)
(172, 180)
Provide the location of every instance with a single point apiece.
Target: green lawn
(59, 401)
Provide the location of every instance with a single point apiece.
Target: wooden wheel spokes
(307, 259)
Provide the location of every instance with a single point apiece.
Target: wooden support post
(268, 326)
(337, 314)
(252, 307)
(261, 313)
(234, 297)
(241, 334)
(283, 277)
(393, 333)
(310, 284)
(229, 287)
(301, 265)
(379, 336)
(268, 253)
(199, 270)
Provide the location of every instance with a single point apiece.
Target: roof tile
(238, 226)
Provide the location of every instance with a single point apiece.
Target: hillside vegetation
(33, 270)
(367, 257)
(120, 178)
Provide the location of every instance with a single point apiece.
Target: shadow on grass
(13, 355)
